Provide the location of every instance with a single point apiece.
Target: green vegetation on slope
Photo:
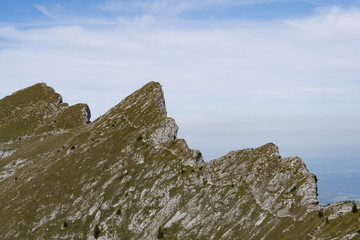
(126, 176)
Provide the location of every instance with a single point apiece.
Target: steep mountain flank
(127, 176)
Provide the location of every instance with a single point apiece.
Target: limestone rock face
(127, 176)
(281, 192)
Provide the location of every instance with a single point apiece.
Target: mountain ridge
(126, 175)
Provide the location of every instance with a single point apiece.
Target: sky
(236, 74)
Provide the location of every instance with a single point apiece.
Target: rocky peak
(127, 176)
(276, 184)
(149, 100)
(35, 113)
(144, 110)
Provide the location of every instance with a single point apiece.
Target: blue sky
(20, 11)
(236, 74)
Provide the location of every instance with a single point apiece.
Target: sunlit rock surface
(127, 176)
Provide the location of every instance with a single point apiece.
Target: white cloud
(331, 22)
(231, 86)
(160, 7)
(45, 11)
(137, 22)
(175, 7)
(113, 5)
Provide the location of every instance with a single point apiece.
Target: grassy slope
(110, 174)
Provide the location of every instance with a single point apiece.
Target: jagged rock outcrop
(34, 113)
(127, 176)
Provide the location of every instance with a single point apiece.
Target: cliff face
(127, 176)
